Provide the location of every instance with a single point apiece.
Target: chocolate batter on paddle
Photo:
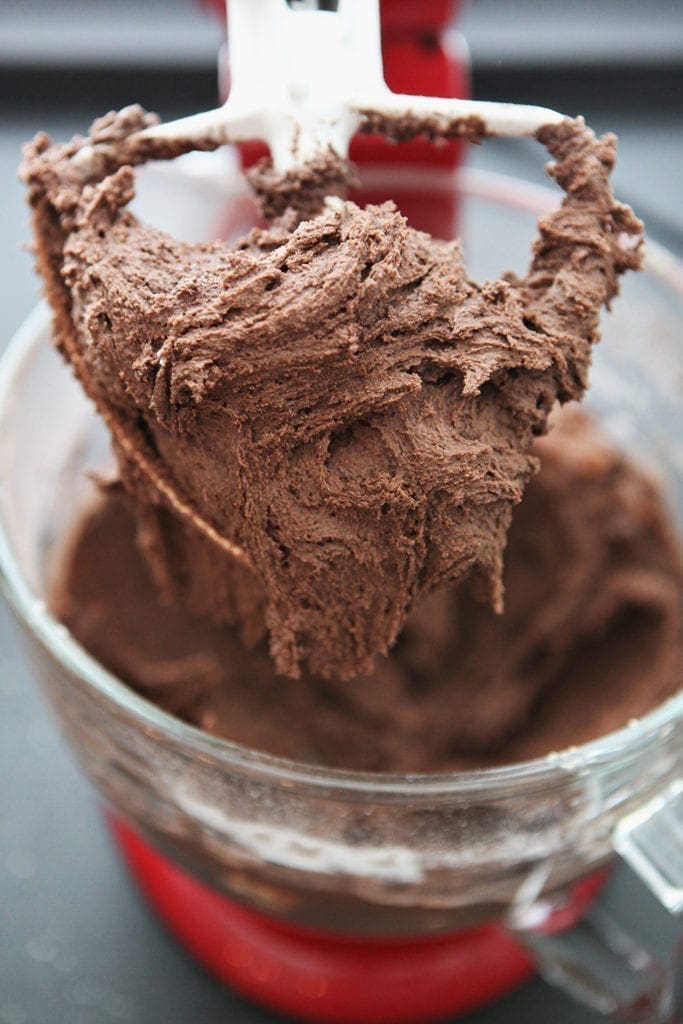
(323, 424)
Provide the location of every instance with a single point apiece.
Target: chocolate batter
(592, 635)
(326, 423)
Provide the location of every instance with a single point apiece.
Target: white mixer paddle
(305, 81)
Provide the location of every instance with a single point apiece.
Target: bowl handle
(624, 957)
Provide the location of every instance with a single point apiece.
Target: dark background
(76, 945)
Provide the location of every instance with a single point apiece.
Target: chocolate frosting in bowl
(592, 634)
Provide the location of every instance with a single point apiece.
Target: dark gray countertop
(76, 944)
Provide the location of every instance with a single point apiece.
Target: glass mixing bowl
(356, 896)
